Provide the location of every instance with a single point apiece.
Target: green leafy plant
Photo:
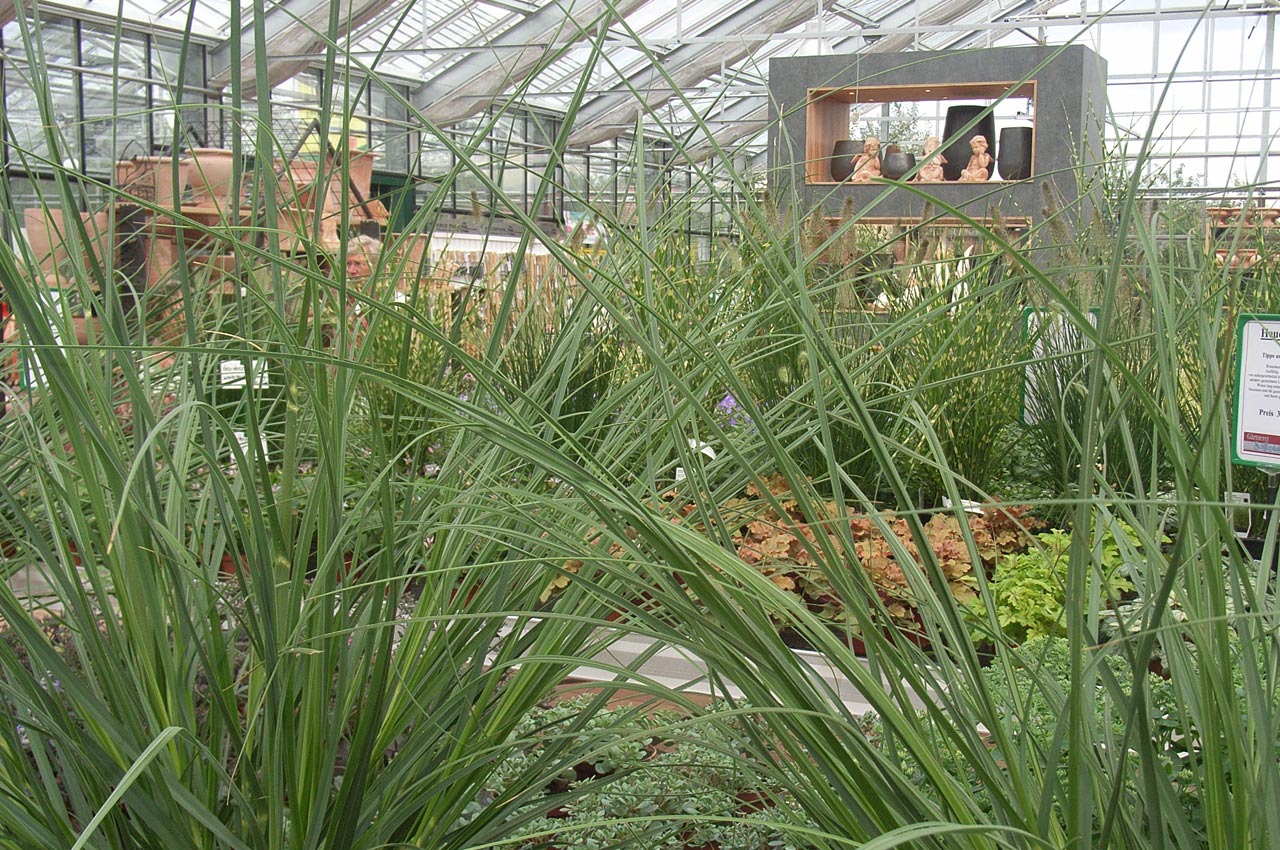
(1030, 586)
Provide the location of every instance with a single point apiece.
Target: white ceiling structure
(699, 67)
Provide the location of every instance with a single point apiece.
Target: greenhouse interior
(624, 425)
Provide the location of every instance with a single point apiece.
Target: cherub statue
(931, 171)
(979, 168)
(867, 163)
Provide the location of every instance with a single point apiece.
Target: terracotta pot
(414, 249)
(48, 237)
(297, 186)
(231, 566)
(210, 176)
(41, 225)
(360, 170)
(1222, 216)
(219, 267)
(295, 227)
(151, 179)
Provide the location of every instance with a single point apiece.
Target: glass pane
(115, 122)
(576, 184)
(434, 164)
(471, 192)
(26, 123)
(55, 36)
(98, 51)
(166, 57)
(390, 129)
(506, 138)
(191, 120)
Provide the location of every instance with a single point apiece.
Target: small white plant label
(242, 439)
(969, 506)
(703, 449)
(231, 375)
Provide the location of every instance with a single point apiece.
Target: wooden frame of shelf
(827, 112)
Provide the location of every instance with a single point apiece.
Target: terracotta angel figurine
(931, 171)
(867, 163)
(979, 168)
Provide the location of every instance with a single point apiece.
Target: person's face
(358, 265)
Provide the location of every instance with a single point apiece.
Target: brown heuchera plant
(791, 549)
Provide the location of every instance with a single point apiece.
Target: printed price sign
(1257, 392)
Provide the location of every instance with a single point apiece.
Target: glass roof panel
(1142, 39)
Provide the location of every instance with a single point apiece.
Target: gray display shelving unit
(814, 97)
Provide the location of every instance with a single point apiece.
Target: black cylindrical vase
(894, 166)
(958, 151)
(843, 154)
(1015, 153)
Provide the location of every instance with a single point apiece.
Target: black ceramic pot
(842, 157)
(1015, 153)
(958, 152)
(895, 166)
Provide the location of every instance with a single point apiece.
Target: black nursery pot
(842, 156)
(958, 152)
(1015, 153)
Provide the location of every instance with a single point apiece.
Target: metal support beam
(742, 119)
(294, 29)
(725, 43)
(472, 83)
(943, 13)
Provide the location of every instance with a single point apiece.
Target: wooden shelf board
(890, 183)
(915, 93)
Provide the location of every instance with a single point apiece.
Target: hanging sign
(1257, 392)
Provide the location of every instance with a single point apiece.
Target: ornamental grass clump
(292, 709)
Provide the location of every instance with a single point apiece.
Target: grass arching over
(299, 707)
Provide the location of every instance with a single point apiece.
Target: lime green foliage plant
(1030, 586)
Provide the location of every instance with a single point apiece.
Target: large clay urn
(211, 172)
(957, 151)
(47, 235)
(152, 179)
(42, 226)
(843, 153)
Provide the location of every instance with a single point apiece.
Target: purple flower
(728, 404)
